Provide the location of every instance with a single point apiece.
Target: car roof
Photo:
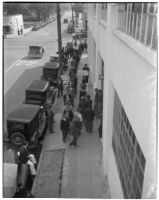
(35, 45)
(52, 64)
(54, 56)
(23, 113)
(38, 86)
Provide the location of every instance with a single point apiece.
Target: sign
(65, 78)
(82, 73)
(101, 77)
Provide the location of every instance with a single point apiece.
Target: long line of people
(72, 121)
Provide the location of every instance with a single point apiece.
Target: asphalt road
(15, 54)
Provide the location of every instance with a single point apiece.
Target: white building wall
(134, 79)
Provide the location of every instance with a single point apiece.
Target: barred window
(94, 9)
(128, 154)
(104, 11)
(139, 20)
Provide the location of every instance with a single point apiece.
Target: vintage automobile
(25, 122)
(37, 92)
(51, 70)
(36, 27)
(35, 51)
(65, 21)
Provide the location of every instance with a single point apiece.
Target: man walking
(88, 119)
(64, 125)
(74, 130)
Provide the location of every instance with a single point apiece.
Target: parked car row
(28, 120)
(39, 25)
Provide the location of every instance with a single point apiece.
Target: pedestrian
(64, 125)
(73, 62)
(21, 191)
(51, 94)
(88, 119)
(26, 158)
(72, 95)
(60, 88)
(99, 105)
(69, 110)
(82, 90)
(81, 105)
(51, 120)
(23, 153)
(100, 129)
(66, 96)
(18, 32)
(74, 130)
(88, 102)
(86, 71)
(85, 46)
(21, 30)
(80, 119)
(96, 95)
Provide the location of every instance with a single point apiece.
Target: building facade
(122, 52)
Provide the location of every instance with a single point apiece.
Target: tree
(42, 10)
(78, 7)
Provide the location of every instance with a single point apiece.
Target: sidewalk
(65, 172)
(25, 31)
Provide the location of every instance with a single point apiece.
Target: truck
(51, 70)
(13, 23)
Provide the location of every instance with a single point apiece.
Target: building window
(128, 154)
(139, 20)
(94, 9)
(104, 11)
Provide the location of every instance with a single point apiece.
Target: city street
(90, 130)
(15, 54)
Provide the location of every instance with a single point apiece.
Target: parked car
(36, 51)
(23, 123)
(36, 27)
(51, 70)
(70, 27)
(54, 58)
(37, 92)
(65, 21)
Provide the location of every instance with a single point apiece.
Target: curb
(42, 151)
(25, 32)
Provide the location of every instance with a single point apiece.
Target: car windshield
(34, 47)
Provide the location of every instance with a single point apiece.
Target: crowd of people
(73, 119)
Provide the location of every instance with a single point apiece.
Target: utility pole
(59, 37)
(72, 17)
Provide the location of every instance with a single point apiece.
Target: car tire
(17, 139)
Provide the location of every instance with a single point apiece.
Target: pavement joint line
(12, 65)
(58, 149)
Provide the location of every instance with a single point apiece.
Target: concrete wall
(134, 79)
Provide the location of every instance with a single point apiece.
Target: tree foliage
(78, 7)
(41, 10)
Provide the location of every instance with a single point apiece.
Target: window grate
(128, 154)
(103, 11)
(139, 20)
